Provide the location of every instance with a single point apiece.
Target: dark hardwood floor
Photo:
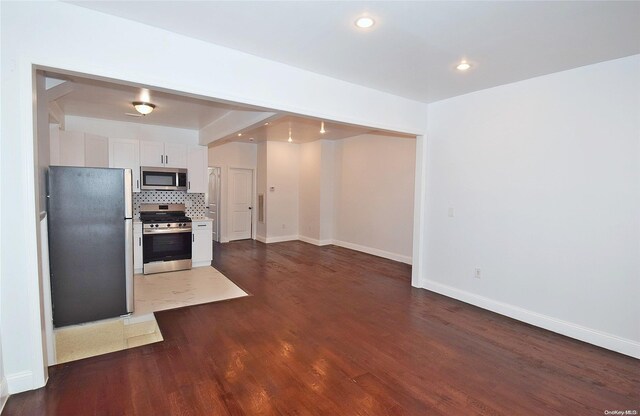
(329, 331)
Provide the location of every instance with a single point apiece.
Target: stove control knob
(156, 225)
(168, 225)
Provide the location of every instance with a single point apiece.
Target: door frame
(219, 218)
(227, 204)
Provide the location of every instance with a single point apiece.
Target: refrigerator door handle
(128, 193)
(128, 258)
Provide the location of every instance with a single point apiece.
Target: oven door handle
(166, 230)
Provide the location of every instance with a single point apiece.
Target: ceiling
(85, 97)
(303, 130)
(414, 46)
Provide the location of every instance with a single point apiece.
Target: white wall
(543, 177)
(316, 192)
(309, 191)
(4, 389)
(327, 191)
(282, 203)
(130, 130)
(374, 187)
(230, 155)
(30, 35)
(261, 188)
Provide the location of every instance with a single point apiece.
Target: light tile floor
(152, 293)
(161, 291)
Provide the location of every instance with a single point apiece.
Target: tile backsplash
(197, 202)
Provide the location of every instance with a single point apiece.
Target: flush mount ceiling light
(364, 22)
(322, 130)
(143, 108)
(463, 66)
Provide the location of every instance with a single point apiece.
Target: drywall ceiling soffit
(229, 125)
(85, 97)
(414, 46)
(303, 130)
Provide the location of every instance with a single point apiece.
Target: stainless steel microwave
(163, 179)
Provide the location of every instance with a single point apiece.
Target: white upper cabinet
(74, 148)
(124, 153)
(175, 155)
(96, 151)
(151, 154)
(197, 169)
(71, 148)
(161, 154)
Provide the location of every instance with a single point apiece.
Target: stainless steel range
(166, 238)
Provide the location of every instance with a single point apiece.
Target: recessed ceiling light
(239, 134)
(266, 124)
(250, 139)
(365, 22)
(463, 66)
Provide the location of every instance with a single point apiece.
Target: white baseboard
(374, 251)
(19, 382)
(281, 239)
(201, 264)
(591, 336)
(4, 393)
(261, 238)
(314, 241)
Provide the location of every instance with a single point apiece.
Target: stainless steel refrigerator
(90, 243)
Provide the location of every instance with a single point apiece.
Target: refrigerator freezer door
(87, 244)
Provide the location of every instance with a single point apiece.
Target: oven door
(166, 246)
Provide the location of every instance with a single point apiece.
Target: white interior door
(240, 203)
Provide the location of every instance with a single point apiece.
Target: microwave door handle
(166, 159)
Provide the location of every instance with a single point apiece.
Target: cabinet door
(54, 144)
(96, 151)
(197, 169)
(175, 155)
(202, 244)
(152, 154)
(137, 247)
(123, 153)
(71, 148)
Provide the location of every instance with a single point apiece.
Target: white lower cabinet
(201, 243)
(137, 247)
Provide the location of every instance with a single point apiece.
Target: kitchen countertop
(201, 219)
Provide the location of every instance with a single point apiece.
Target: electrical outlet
(478, 273)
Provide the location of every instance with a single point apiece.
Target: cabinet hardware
(140, 241)
(137, 183)
(161, 159)
(193, 238)
(189, 184)
(166, 159)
